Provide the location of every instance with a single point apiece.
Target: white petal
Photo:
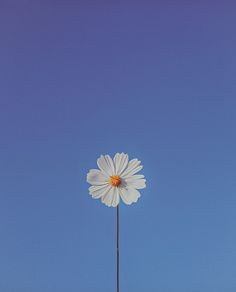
(96, 177)
(129, 195)
(132, 168)
(110, 197)
(116, 198)
(134, 177)
(98, 191)
(135, 181)
(120, 162)
(105, 163)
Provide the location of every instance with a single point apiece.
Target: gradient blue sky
(155, 79)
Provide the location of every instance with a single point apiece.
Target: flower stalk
(117, 251)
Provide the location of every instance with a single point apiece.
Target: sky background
(155, 79)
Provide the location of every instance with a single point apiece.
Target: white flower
(116, 178)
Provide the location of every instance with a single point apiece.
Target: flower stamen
(115, 180)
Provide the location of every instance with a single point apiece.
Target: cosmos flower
(116, 178)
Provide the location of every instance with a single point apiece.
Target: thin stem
(117, 252)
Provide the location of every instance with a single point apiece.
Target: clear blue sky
(155, 79)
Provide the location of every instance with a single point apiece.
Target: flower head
(116, 178)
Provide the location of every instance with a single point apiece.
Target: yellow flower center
(115, 180)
